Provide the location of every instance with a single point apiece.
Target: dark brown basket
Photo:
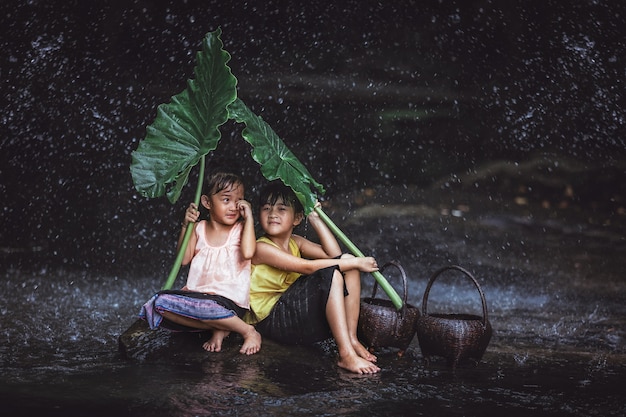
(381, 324)
(455, 337)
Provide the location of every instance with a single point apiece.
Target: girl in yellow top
(302, 292)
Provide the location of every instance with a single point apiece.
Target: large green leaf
(275, 159)
(187, 128)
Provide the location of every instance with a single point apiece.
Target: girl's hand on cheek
(245, 209)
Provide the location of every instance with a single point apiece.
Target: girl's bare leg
(336, 315)
(353, 305)
(186, 321)
(251, 338)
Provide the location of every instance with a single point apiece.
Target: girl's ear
(298, 219)
(205, 201)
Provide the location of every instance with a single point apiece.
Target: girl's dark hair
(277, 190)
(220, 181)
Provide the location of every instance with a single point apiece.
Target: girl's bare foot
(363, 352)
(214, 344)
(251, 342)
(358, 365)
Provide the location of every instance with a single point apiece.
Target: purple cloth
(183, 305)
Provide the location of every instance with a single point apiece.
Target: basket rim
(372, 301)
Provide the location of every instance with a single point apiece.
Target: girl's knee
(347, 255)
(338, 277)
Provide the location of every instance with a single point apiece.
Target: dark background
(366, 94)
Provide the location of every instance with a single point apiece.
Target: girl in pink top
(216, 295)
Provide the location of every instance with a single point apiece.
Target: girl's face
(224, 205)
(278, 218)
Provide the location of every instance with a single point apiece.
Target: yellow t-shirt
(267, 284)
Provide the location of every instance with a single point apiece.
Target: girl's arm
(191, 217)
(248, 238)
(271, 255)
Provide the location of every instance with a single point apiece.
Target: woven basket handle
(458, 268)
(404, 283)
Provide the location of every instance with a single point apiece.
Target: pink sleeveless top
(220, 270)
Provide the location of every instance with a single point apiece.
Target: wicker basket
(455, 337)
(381, 324)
